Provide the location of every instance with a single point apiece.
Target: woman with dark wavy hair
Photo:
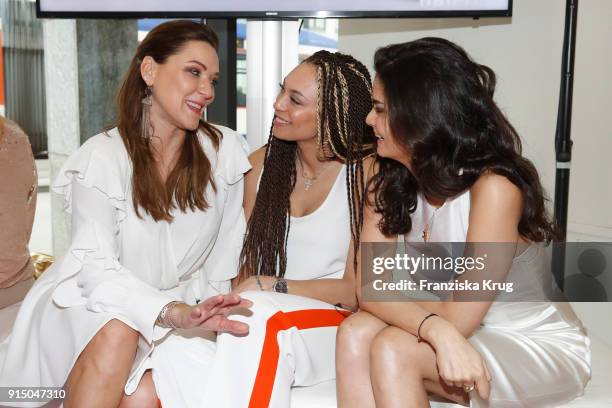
(450, 169)
(157, 223)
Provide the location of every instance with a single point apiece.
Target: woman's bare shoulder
(258, 157)
(496, 189)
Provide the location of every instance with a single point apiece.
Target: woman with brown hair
(157, 225)
(303, 201)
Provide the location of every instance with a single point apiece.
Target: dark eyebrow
(298, 93)
(293, 91)
(202, 65)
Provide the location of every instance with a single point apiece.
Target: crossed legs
(383, 366)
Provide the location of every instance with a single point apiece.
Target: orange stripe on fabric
(268, 363)
(159, 405)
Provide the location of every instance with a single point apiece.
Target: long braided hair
(344, 100)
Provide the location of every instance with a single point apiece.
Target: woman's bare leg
(403, 371)
(101, 371)
(144, 396)
(354, 337)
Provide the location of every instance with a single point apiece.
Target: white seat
(598, 393)
(323, 395)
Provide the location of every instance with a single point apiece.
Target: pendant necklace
(309, 181)
(429, 226)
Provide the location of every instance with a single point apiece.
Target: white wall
(525, 53)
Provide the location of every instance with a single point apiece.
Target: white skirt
(291, 342)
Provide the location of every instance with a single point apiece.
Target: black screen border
(276, 15)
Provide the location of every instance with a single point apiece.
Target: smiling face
(378, 118)
(183, 85)
(295, 107)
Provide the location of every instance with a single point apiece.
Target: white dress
(537, 352)
(120, 266)
(291, 341)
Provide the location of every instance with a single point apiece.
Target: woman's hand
(211, 314)
(267, 282)
(459, 364)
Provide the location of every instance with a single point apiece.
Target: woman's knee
(264, 306)
(145, 395)
(356, 333)
(116, 334)
(396, 350)
(112, 349)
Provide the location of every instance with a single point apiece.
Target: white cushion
(323, 395)
(598, 392)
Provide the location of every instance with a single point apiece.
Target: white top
(108, 236)
(536, 351)
(318, 243)
(120, 266)
(449, 223)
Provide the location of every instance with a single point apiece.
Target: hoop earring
(145, 120)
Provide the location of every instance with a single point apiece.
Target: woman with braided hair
(303, 204)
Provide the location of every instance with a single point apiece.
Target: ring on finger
(468, 388)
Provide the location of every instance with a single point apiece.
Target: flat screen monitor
(272, 8)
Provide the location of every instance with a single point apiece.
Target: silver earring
(146, 128)
(460, 172)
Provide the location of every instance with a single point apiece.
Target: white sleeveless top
(318, 243)
(448, 223)
(537, 352)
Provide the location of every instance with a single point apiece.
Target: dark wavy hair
(186, 184)
(441, 109)
(344, 100)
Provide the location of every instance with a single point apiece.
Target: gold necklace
(428, 227)
(309, 181)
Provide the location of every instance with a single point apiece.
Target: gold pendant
(426, 234)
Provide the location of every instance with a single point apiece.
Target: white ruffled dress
(120, 266)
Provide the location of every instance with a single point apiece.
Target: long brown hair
(186, 184)
(344, 100)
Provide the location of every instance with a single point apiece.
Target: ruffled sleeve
(222, 262)
(233, 158)
(94, 182)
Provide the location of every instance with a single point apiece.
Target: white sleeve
(222, 263)
(105, 284)
(90, 273)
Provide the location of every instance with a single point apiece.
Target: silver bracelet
(162, 319)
